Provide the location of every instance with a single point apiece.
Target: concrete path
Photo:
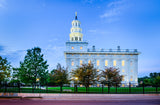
(93, 96)
(85, 96)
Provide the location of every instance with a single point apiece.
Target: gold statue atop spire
(75, 15)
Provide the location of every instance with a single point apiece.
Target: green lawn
(112, 90)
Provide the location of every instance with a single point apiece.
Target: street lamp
(75, 80)
(37, 80)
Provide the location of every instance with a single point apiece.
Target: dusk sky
(131, 24)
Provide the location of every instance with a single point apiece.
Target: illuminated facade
(78, 53)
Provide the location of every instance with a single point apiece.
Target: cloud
(88, 1)
(115, 9)
(97, 31)
(1, 48)
(13, 56)
(2, 3)
(53, 55)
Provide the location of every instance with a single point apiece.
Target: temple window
(106, 63)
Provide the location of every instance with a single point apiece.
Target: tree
(59, 76)
(34, 68)
(86, 74)
(5, 69)
(154, 75)
(111, 75)
(157, 81)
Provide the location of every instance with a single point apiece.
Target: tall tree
(86, 74)
(5, 69)
(33, 68)
(111, 75)
(59, 76)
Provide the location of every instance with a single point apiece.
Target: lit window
(122, 85)
(97, 85)
(72, 63)
(80, 54)
(81, 85)
(89, 54)
(97, 62)
(81, 48)
(106, 63)
(114, 63)
(97, 70)
(131, 55)
(123, 70)
(136, 80)
(131, 78)
(89, 62)
(97, 54)
(123, 63)
(72, 54)
(122, 77)
(72, 47)
(106, 54)
(81, 62)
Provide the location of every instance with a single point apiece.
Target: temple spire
(76, 30)
(75, 15)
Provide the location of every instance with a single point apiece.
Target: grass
(112, 90)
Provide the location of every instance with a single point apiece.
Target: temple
(77, 53)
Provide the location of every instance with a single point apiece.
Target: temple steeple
(76, 16)
(76, 31)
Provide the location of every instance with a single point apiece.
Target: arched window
(97, 62)
(114, 63)
(123, 63)
(89, 62)
(122, 77)
(76, 38)
(72, 63)
(81, 62)
(106, 63)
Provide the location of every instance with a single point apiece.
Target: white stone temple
(77, 53)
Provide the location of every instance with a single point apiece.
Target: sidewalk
(87, 96)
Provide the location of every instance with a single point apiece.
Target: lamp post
(37, 80)
(76, 79)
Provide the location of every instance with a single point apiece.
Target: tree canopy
(33, 68)
(111, 75)
(5, 69)
(59, 76)
(86, 74)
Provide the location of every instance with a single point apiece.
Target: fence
(103, 89)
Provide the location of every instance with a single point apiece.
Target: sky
(131, 24)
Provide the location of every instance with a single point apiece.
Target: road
(78, 102)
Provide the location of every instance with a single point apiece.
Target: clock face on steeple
(76, 30)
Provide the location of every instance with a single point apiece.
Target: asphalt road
(87, 102)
